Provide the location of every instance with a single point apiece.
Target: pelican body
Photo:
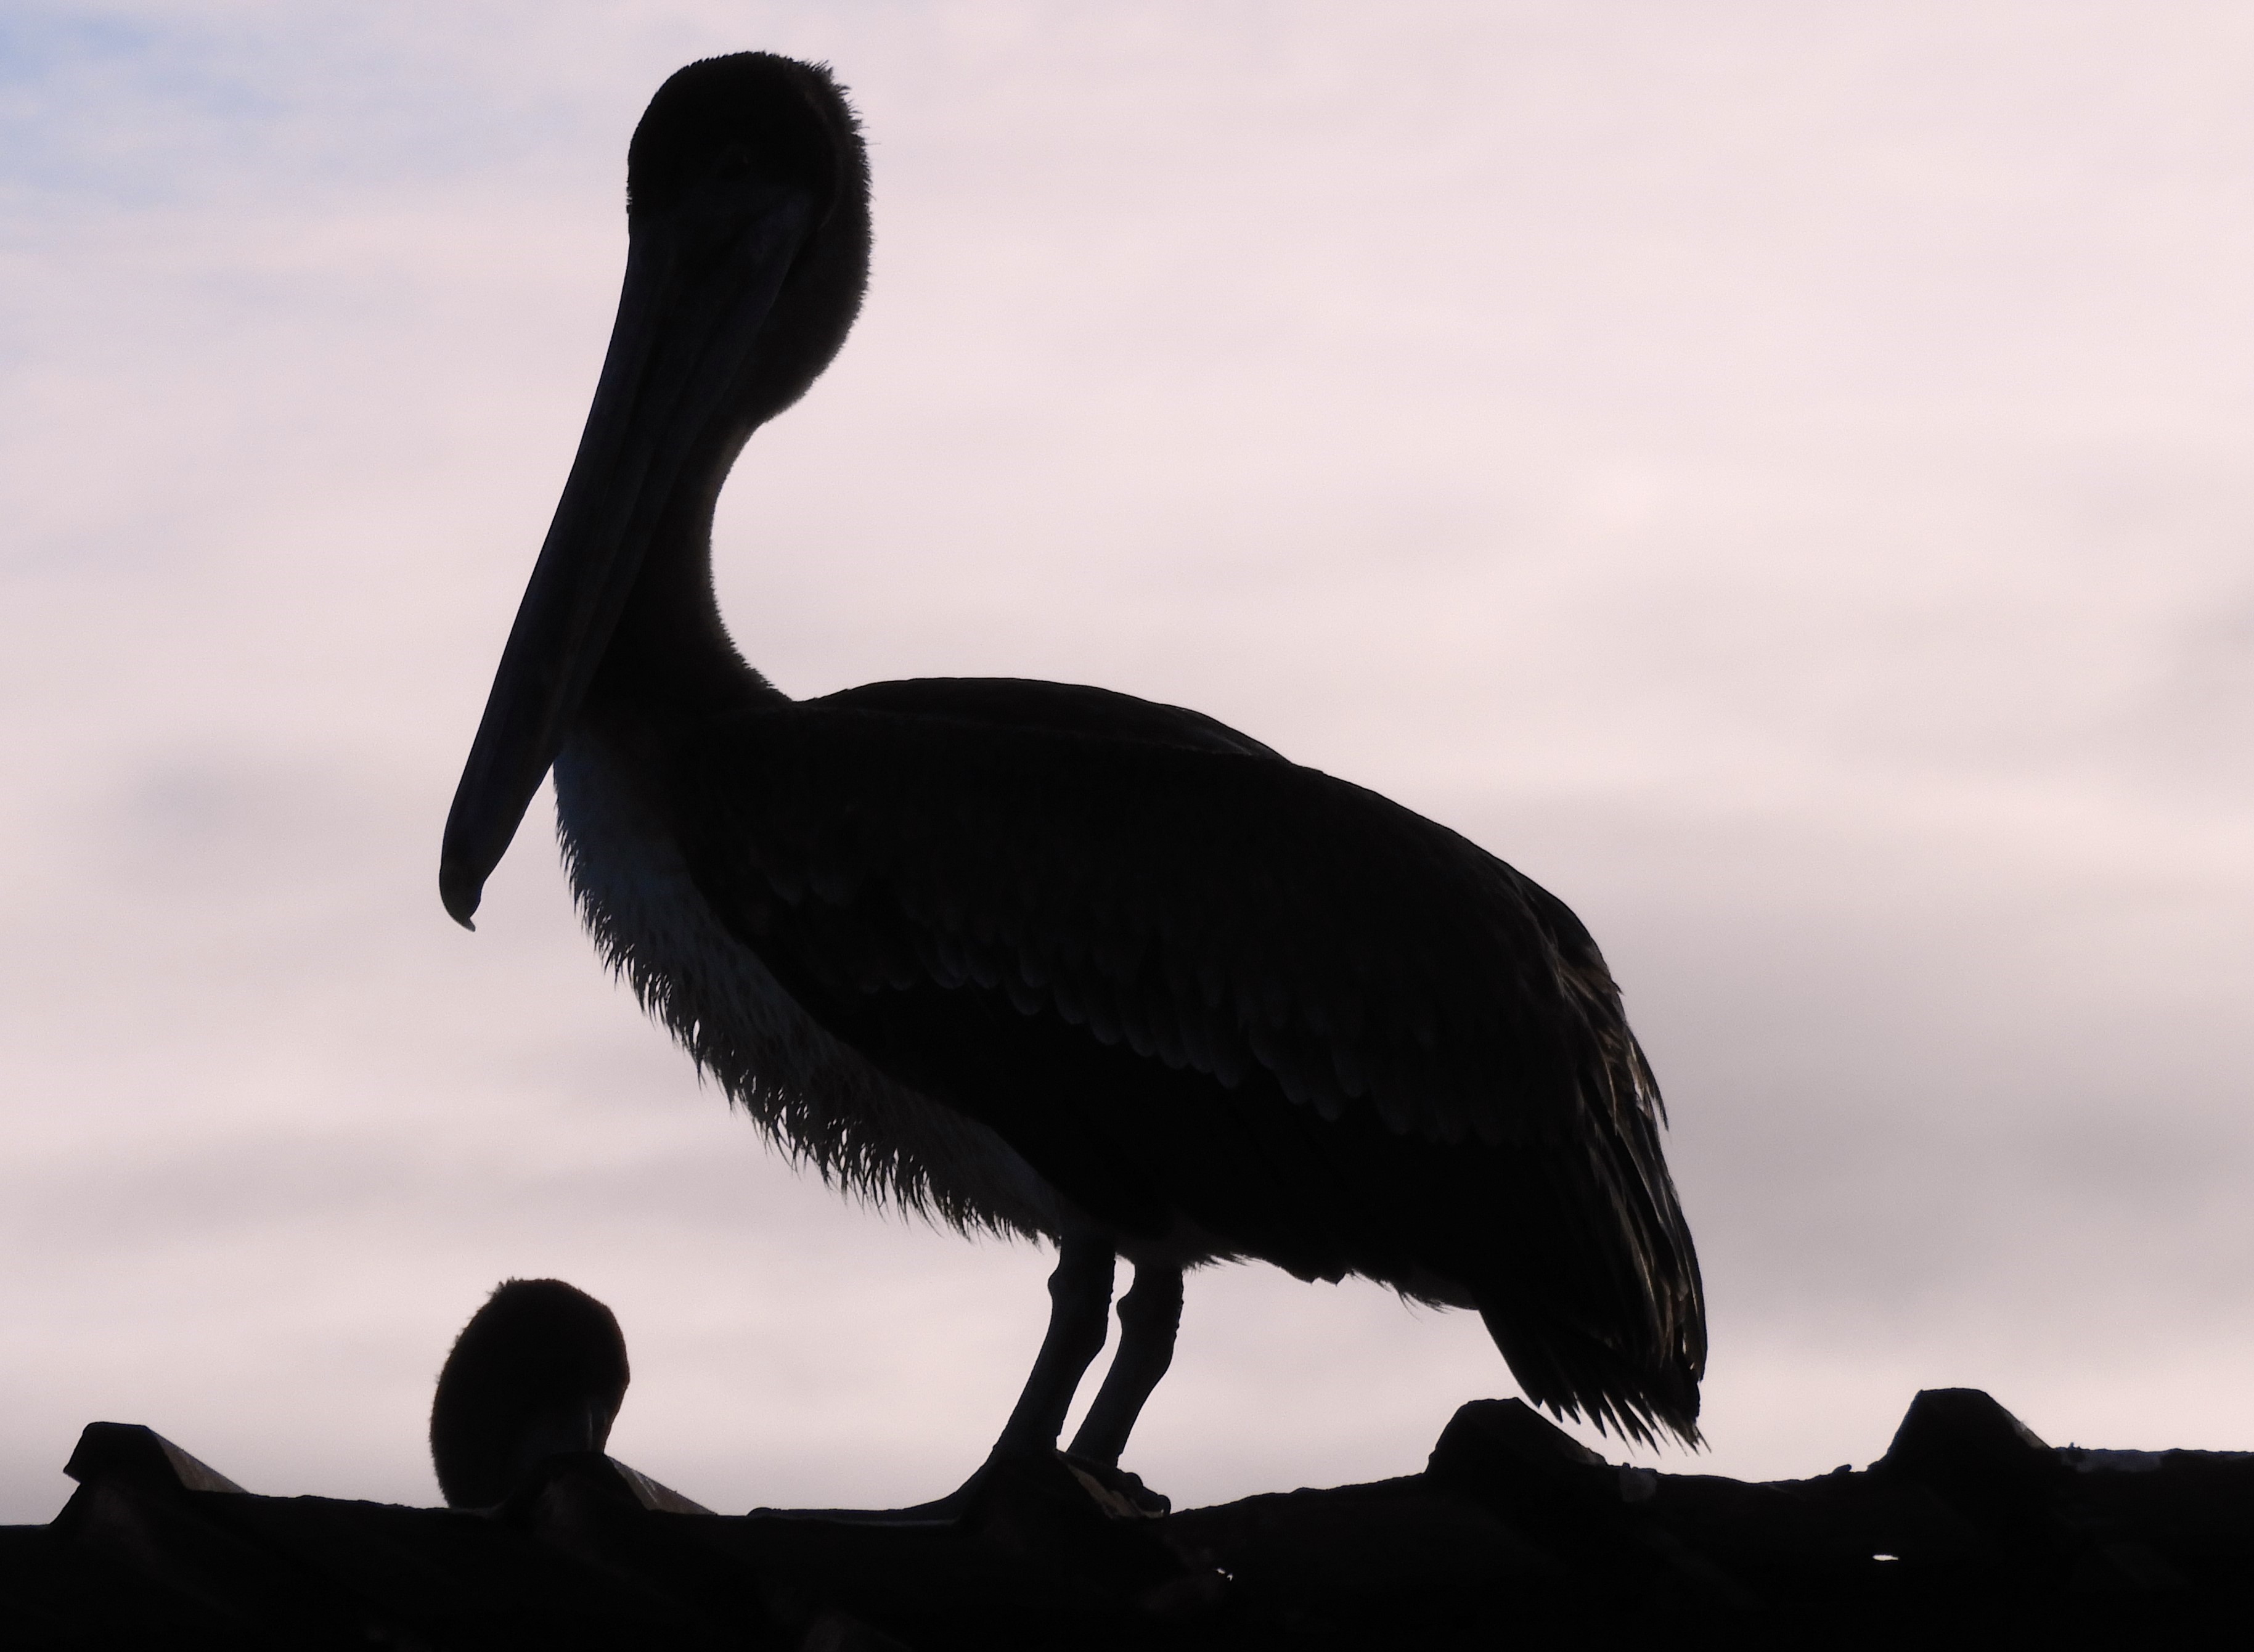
(1046, 960)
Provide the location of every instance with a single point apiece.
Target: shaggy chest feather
(816, 1098)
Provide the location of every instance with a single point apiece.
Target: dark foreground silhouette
(1970, 1531)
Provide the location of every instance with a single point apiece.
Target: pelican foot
(1054, 1476)
(1119, 1493)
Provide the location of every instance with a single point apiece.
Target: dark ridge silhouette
(1046, 960)
(539, 1370)
(1970, 1532)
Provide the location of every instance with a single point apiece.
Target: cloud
(1776, 482)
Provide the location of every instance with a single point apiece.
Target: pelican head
(747, 253)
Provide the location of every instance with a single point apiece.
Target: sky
(1776, 474)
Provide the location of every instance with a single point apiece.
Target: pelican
(539, 1369)
(1042, 960)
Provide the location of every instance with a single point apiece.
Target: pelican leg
(1149, 1316)
(1079, 1302)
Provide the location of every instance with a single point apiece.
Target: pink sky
(1777, 474)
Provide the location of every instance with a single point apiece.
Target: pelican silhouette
(1044, 960)
(539, 1369)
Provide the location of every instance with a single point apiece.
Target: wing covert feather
(1205, 909)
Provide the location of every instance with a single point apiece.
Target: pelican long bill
(688, 324)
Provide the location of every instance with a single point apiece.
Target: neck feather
(670, 661)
